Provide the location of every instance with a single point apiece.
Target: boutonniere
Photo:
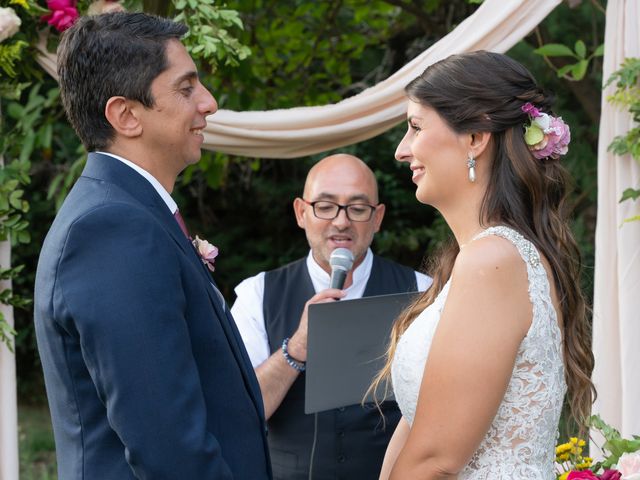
(207, 252)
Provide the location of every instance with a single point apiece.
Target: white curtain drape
(295, 132)
(616, 310)
(8, 404)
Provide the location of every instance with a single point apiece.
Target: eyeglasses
(356, 212)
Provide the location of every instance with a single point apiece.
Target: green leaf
(533, 134)
(608, 432)
(579, 69)
(599, 51)
(629, 194)
(555, 50)
(23, 237)
(15, 110)
(581, 49)
(562, 71)
(15, 199)
(45, 135)
(27, 145)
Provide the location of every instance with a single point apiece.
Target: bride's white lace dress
(520, 443)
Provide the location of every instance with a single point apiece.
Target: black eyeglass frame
(372, 208)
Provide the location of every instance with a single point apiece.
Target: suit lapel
(104, 167)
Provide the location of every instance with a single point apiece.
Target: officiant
(339, 208)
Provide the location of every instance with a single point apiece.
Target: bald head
(341, 167)
(343, 180)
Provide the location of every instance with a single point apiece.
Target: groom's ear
(123, 115)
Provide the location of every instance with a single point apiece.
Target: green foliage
(572, 71)
(36, 443)
(614, 445)
(9, 55)
(209, 39)
(307, 53)
(627, 95)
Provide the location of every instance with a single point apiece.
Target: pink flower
(546, 135)
(583, 474)
(611, 475)
(558, 137)
(629, 466)
(207, 252)
(63, 14)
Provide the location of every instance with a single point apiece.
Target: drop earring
(471, 164)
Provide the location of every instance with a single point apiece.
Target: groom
(145, 371)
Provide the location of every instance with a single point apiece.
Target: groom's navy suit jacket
(146, 374)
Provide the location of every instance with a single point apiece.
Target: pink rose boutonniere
(207, 252)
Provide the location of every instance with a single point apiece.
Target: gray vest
(351, 441)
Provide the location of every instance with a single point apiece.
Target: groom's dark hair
(114, 54)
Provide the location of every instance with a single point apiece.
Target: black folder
(346, 344)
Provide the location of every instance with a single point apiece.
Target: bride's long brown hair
(484, 92)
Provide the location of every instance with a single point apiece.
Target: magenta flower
(63, 14)
(611, 475)
(582, 474)
(530, 110)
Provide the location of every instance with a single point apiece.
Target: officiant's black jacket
(351, 441)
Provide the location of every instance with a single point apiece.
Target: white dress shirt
(248, 313)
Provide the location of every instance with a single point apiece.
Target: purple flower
(530, 110)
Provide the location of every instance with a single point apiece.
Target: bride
(481, 362)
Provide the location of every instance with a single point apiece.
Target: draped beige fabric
(295, 132)
(616, 311)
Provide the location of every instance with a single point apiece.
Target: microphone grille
(341, 258)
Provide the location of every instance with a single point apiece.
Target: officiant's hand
(298, 343)
(276, 374)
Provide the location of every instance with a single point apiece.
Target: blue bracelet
(299, 366)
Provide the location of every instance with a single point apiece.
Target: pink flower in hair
(546, 135)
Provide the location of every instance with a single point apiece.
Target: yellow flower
(22, 3)
(563, 476)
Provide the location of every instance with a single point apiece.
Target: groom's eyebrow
(191, 75)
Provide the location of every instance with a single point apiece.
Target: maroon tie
(181, 223)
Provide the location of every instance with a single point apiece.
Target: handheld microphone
(341, 262)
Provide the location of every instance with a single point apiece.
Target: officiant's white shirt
(248, 313)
